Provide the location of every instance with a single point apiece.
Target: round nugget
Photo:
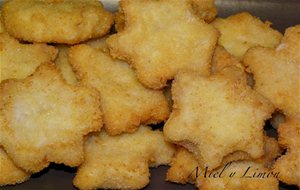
(56, 21)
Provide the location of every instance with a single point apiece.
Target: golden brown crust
(226, 64)
(122, 162)
(242, 31)
(65, 21)
(21, 60)
(213, 117)
(125, 102)
(43, 119)
(10, 173)
(276, 71)
(63, 65)
(289, 164)
(205, 9)
(163, 47)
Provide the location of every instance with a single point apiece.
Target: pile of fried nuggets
(65, 76)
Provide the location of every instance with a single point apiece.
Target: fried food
(98, 43)
(164, 41)
(226, 64)
(10, 173)
(126, 103)
(45, 119)
(122, 162)
(184, 164)
(183, 167)
(63, 64)
(276, 71)
(215, 116)
(119, 20)
(248, 175)
(21, 60)
(56, 21)
(205, 9)
(242, 31)
(1, 23)
(289, 164)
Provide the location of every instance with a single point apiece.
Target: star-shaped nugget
(10, 173)
(215, 116)
(242, 31)
(162, 37)
(277, 71)
(289, 164)
(20, 60)
(122, 162)
(126, 103)
(45, 119)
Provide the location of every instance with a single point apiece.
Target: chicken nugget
(242, 31)
(122, 162)
(276, 71)
(215, 116)
(63, 64)
(45, 119)
(239, 175)
(184, 164)
(162, 37)
(56, 21)
(226, 64)
(126, 103)
(21, 60)
(10, 173)
(289, 164)
(205, 9)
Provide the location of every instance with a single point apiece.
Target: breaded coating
(10, 173)
(184, 164)
(21, 60)
(205, 9)
(215, 116)
(242, 31)
(289, 164)
(276, 72)
(226, 64)
(126, 103)
(122, 162)
(98, 43)
(183, 167)
(56, 21)
(45, 119)
(247, 175)
(119, 20)
(1, 23)
(162, 37)
(63, 64)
